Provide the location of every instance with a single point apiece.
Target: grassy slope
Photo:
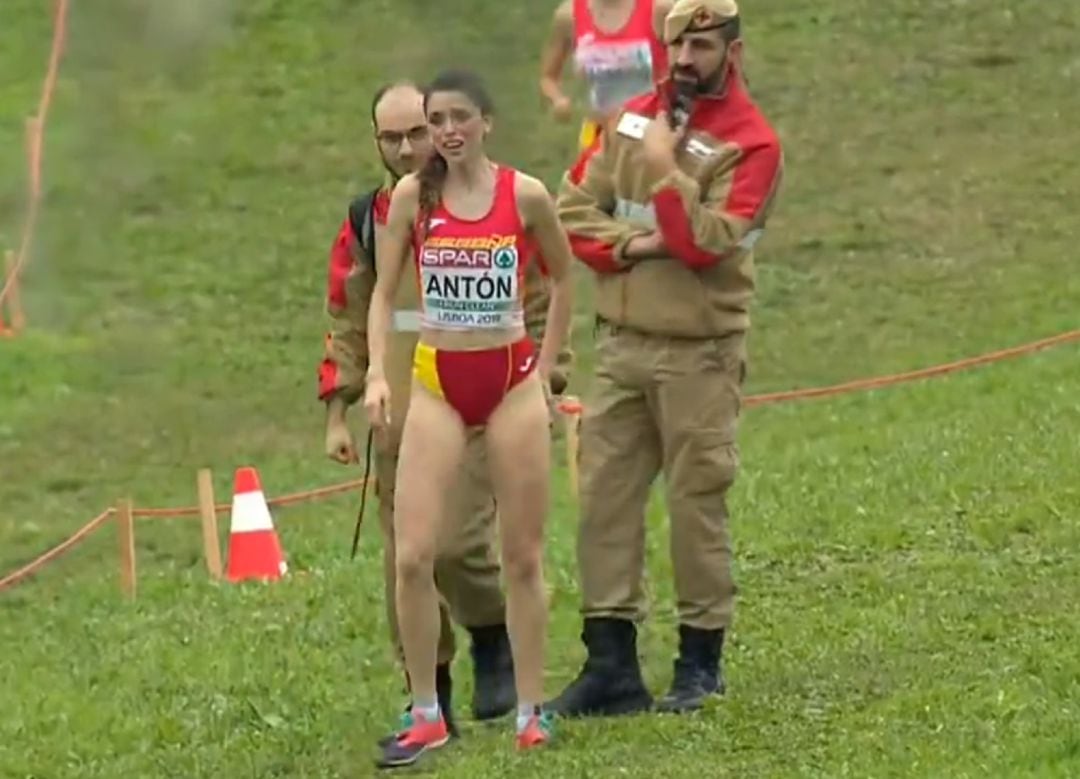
(905, 556)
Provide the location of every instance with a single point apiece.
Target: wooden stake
(211, 544)
(125, 523)
(18, 318)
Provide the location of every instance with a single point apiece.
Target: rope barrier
(889, 380)
(574, 407)
(39, 562)
(283, 500)
(36, 147)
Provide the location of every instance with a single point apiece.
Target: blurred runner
(616, 48)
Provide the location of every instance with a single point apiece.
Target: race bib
(615, 71)
(470, 283)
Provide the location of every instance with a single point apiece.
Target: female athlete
(470, 225)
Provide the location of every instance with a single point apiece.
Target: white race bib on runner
(470, 283)
(615, 70)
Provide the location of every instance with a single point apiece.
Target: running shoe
(537, 731)
(417, 737)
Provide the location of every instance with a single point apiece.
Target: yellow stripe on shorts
(589, 131)
(426, 369)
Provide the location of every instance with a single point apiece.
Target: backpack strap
(362, 220)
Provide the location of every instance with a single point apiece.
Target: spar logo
(506, 257)
(614, 57)
(473, 253)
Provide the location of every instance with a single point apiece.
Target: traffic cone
(254, 549)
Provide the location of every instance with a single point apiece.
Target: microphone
(681, 103)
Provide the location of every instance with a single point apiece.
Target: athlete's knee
(414, 560)
(522, 563)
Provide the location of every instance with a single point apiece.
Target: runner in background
(467, 568)
(616, 47)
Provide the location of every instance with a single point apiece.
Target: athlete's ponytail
(433, 175)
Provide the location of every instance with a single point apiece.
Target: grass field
(907, 559)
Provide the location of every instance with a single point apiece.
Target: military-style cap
(698, 16)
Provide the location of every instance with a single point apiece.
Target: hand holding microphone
(664, 134)
(682, 102)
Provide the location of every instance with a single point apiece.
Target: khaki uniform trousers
(670, 405)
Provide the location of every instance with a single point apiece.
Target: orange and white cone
(254, 548)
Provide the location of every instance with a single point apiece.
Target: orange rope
(284, 500)
(34, 565)
(37, 144)
(573, 407)
(898, 378)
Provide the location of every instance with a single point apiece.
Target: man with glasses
(467, 568)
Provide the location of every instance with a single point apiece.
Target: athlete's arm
(537, 300)
(660, 12)
(585, 205)
(557, 48)
(542, 221)
(702, 231)
(536, 296)
(391, 254)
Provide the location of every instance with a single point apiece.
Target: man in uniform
(467, 570)
(665, 208)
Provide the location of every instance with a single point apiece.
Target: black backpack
(362, 220)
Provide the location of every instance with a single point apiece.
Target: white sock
(428, 709)
(524, 714)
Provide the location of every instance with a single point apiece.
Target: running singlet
(621, 65)
(471, 272)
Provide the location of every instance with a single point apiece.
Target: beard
(688, 79)
(394, 173)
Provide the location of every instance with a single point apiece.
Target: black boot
(698, 672)
(610, 683)
(494, 691)
(444, 692)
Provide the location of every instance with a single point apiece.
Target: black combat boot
(444, 690)
(494, 691)
(698, 672)
(610, 682)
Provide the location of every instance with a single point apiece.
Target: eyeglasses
(415, 134)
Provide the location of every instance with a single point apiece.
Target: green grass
(906, 558)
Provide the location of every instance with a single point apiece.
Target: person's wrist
(336, 408)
